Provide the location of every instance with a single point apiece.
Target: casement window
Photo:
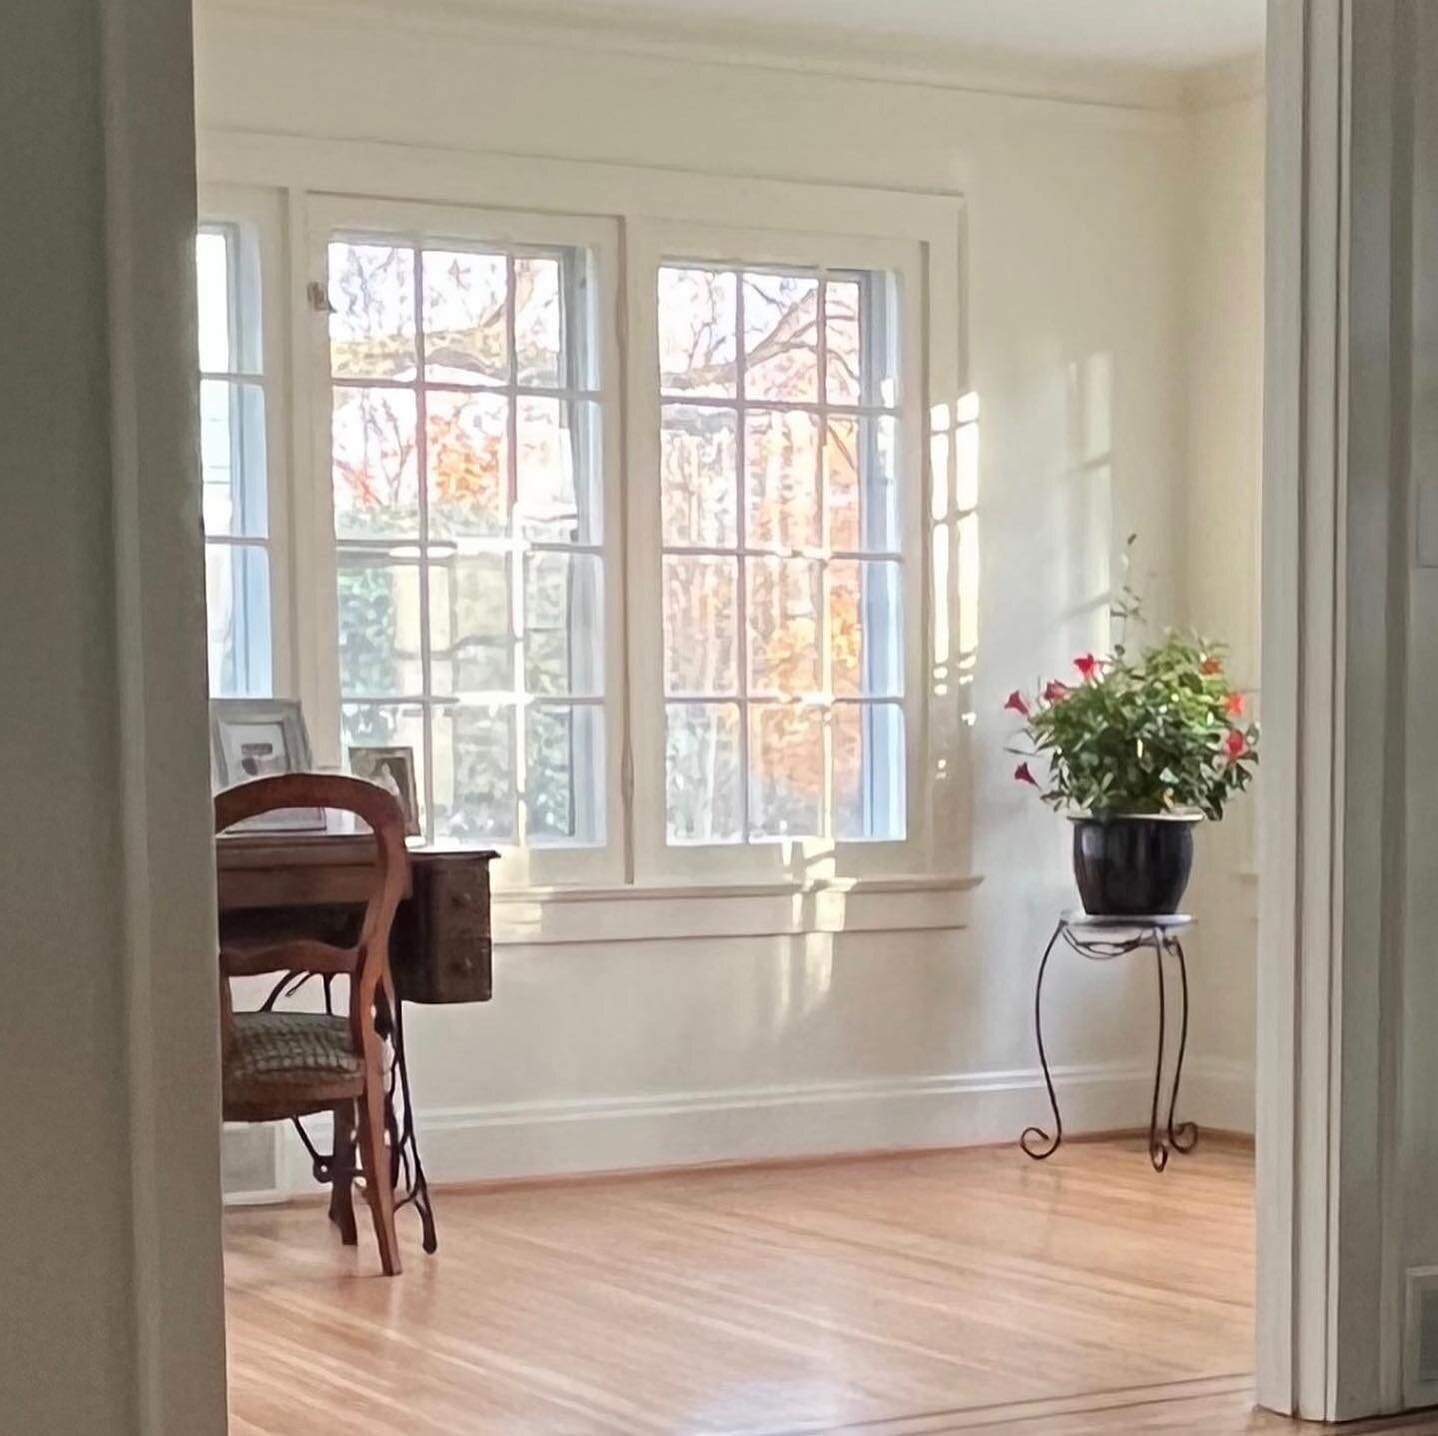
(622, 525)
(467, 455)
(234, 471)
(777, 443)
(779, 473)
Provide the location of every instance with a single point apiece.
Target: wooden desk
(276, 885)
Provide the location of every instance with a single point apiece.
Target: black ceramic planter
(1125, 866)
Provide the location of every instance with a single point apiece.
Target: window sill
(658, 912)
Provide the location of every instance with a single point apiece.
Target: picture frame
(258, 738)
(391, 768)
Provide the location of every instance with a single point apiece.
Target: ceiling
(1168, 34)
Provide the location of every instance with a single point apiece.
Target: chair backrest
(368, 962)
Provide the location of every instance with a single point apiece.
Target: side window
(233, 469)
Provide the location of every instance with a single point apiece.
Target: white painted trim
(457, 175)
(1329, 1294)
(569, 1136)
(174, 1334)
(803, 49)
(543, 917)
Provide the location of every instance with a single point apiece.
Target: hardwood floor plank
(890, 1296)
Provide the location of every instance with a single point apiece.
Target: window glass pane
(563, 625)
(376, 484)
(537, 321)
(843, 338)
(704, 799)
(467, 462)
(234, 484)
(781, 341)
(701, 626)
(447, 479)
(474, 774)
(237, 605)
(861, 478)
(865, 634)
(371, 311)
(471, 632)
(465, 317)
(564, 760)
(781, 461)
(818, 622)
(212, 293)
(235, 487)
(783, 604)
(379, 628)
(698, 475)
(869, 778)
(786, 770)
(698, 340)
(558, 470)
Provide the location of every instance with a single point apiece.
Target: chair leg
(376, 1176)
(342, 1168)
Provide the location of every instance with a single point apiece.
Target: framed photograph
(257, 738)
(393, 770)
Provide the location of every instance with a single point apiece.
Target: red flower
(1055, 692)
(1022, 774)
(1087, 665)
(1235, 746)
(1233, 705)
(1210, 666)
(1016, 702)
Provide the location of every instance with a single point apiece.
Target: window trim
(421, 222)
(650, 244)
(303, 172)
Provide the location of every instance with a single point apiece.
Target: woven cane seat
(284, 1058)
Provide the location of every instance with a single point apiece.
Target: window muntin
(781, 567)
(468, 512)
(234, 480)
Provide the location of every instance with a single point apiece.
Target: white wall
(1078, 330)
(1223, 293)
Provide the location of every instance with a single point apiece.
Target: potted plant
(1138, 750)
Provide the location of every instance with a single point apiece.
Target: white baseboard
(1221, 1094)
(604, 1134)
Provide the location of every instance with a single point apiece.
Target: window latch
(319, 298)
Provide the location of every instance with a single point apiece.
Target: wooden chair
(280, 1065)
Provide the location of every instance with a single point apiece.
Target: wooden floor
(949, 1292)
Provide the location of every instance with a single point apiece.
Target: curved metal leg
(1157, 1151)
(1185, 1137)
(1035, 1141)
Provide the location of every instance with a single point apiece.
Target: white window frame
(424, 223)
(256, 214)
(651, 245)
(936, 868)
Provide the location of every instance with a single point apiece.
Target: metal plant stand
(1101, 939)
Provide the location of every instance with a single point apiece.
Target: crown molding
(775, 46)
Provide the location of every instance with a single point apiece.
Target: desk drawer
(442, 950)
